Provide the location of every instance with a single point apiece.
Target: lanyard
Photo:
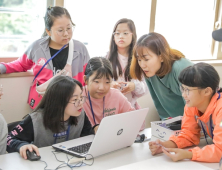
(49, 61)
(219, 95)
(211, 127)
(205, 133)
(92, 107)
(67, 135)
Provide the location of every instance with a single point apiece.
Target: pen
(161, 146)
(167, 118)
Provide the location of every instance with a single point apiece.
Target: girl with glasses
(71, 55)
(102, 100)
(120, 55)
(203, 111)
(58, 117)
(161, 66)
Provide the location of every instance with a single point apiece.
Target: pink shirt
(140, 86)
(115, 102)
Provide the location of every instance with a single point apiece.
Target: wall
(13, 105)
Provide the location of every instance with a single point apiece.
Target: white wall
(13, 104)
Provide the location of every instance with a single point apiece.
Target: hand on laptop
(96, 128)
(29, 147)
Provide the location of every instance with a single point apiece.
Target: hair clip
(101, 62)
(90, 66)
(49, 8)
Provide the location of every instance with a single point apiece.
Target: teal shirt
(166, 91)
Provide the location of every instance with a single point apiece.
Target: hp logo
(120, 132)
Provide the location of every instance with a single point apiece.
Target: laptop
(114, 132)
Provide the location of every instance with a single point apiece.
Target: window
(95, 20)
(187, 26)
(21, 24)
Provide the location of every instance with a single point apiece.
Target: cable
(58, 167)
(82, 162)
(88, 159)
(55, 155)
(79, 164)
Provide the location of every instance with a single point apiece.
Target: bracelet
(95, 126)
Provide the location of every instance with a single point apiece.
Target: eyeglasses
(124, 34)
(61, 32)
(78, 101)
(186, 90)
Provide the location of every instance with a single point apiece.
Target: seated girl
(102, 100)
(203, 110)
(58, 117)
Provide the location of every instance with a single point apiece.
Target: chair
(12, 125)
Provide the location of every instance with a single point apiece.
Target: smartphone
(122, 86)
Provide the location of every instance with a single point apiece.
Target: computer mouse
(32, 156)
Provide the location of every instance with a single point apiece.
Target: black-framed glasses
(78, 101)
(186, 90)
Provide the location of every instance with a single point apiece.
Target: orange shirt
(190, 131)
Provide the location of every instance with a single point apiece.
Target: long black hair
(201, 75)
(113, 54)
(51, 14)
(54, 102)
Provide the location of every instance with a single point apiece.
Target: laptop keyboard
(81, 148)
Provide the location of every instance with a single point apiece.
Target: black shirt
(60, 60)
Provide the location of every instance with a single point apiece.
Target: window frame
(215, 46)
(49, 3)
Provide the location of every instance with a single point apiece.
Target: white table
(137, 153)
(161, 162)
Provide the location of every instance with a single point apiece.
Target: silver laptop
(114, 132)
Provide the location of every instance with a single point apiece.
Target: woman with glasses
(122, 42)
(70, 55)
(203, 111)
(161, 65)
(58, 117)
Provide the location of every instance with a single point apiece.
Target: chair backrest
(12, 125)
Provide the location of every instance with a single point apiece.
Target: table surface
(136, 156)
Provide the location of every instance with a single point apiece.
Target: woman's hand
(180, 154)
(96, 128)
(115, 85)
(155, 148)
(127, 87)
(29, 147)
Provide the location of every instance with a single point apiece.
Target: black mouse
(32, 156)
